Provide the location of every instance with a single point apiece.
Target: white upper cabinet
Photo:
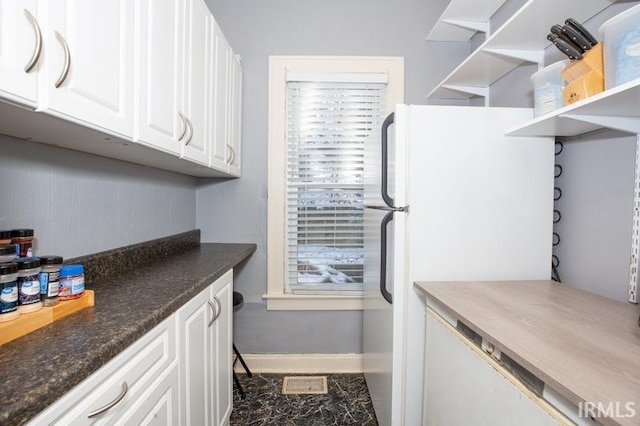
(196, 145)
(20, 51)
(236, 116)
(89, 74)
(220, 78)
(159, 72)
(104, 74)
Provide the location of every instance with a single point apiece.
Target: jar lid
(71, 270)
(50, 260)
(28, 262)
(21, 233)
(7, 250)
(5, 235)
(8, 268)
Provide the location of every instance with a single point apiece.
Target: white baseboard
(302, 363)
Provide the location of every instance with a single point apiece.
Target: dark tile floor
(347, 403)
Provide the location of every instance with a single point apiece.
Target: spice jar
(24, 239)
(49, 279)
(71, 282)
(28, 285)
(8, 292)
(7, 253)
(5, 238)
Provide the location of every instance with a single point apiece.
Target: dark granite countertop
(42, 366)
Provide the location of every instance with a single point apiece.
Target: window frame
(276, 296)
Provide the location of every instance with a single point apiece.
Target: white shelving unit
(462, 19)
(617, 108)
(522, 39)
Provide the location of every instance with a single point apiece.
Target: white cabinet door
(220, 78)
(90, 60)
(222, 348)
(159, 67)
(195, 359)
(235, 139)
(462, 388)
(20, 46)
(196, 146)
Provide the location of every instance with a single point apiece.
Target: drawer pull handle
(67, 60)
(214, 314)
(38, 49)
(113, 403)
(184, 126)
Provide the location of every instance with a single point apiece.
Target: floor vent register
(301, 385)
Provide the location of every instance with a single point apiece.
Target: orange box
(584, 77)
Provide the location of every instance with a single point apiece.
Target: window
(321, 112)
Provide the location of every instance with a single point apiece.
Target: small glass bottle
(28, 285)
(23, 238)
(5, 238)
(71, 282)
(7, 253)
(49, 279)
(8, 292)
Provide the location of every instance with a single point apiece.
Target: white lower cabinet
(205, 355)
(465, 386)
(179, 373)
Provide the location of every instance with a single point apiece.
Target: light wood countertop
(584, 346)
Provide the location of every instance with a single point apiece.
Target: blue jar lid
(71, 270)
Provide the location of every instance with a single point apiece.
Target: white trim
(279, 66)
(338, 77)
(302, 363)
(313, 302)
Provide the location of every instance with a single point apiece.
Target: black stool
(238, 300)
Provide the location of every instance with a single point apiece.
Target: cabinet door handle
(190, 126)
(214, 313)
(113, 403)
(219, 310)
(232, 154)
(184, 126)
(38, 48)
(67, 60)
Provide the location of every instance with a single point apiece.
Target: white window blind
(328, 121)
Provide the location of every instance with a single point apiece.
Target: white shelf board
(521, 39)
(617, 108)
(462, 19)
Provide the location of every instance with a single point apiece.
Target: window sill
(313, 302)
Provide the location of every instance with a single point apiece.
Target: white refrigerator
(447, 197)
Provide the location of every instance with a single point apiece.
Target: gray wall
(235, 211)
(80, 204)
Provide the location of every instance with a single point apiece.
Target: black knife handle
(576, 37)
(582, 30)
(567, 49)
(557, 31)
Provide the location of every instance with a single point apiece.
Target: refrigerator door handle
(383, 257)
(387, 208)
(385, 159)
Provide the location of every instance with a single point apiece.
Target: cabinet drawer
(139, 366)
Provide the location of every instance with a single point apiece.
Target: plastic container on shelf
(71, 282)
(8, 292)
(28, 285)
(50, 279)
(547, 88)
(621, 38)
